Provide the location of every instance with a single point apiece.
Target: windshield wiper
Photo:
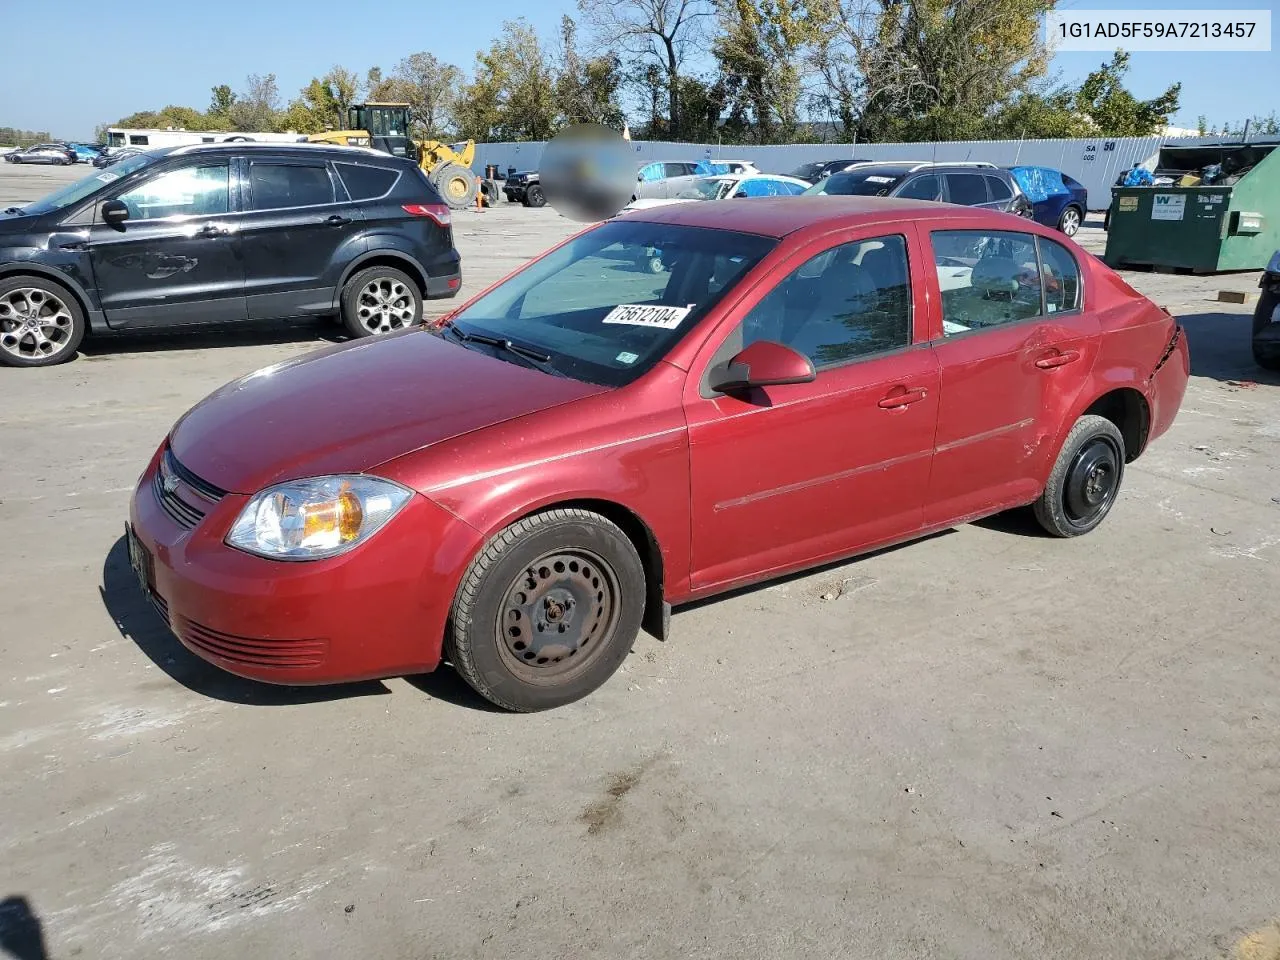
(14, 210)
(535, 357)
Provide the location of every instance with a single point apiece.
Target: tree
(255, 109)
(430, 87)
(586, 90)
(1118, 113)
(661, 33)
(323, 102)
(513, 94)
(220, 105)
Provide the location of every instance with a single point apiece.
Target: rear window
(366, 183)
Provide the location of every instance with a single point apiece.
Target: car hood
(349, 408)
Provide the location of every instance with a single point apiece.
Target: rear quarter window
(367, 183)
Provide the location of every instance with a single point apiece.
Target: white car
(726, 187)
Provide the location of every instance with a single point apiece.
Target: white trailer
(149, 139)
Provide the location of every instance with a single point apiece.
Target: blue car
(1058, 200)
(84, 153)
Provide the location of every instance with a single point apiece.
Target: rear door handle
(1058, 359)
(337, 220)
(903, 396)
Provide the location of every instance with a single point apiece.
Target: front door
(790, 475)
(177, 258)
(299, 231)
(1014, 352)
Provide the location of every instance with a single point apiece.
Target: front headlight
(316, 518)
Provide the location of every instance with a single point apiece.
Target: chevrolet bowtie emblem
(170, 483)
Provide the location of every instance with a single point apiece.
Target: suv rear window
(366, 183)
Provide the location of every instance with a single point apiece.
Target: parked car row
(57, 153)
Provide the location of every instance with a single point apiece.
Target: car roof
(252, 146)
(780, 216)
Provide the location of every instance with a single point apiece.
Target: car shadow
(445, 685)
(137, 620)
(850, 562)
(1220, 345)
(108, 346)
(21, 932)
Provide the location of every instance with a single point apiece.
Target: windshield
(611, 303)
(856, 183)
(75, 192)
(807, 170)
(711, 188)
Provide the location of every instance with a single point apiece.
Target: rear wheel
(457, 185)
(1085, 480)
(1069, 222)
(548, 611)
(40, 323)
(380, 300)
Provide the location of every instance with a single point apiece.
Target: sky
(117, 58)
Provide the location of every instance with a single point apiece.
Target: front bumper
(378, 611)
(514, 191)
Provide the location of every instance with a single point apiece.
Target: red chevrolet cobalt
(668, 405)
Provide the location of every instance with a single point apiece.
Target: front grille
(171, 481)
(252, 651)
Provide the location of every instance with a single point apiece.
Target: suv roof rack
(953, 163)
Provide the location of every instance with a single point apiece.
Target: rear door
(1014, 346)
(300, 228)
(177, 259)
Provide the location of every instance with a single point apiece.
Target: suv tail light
(439, 212)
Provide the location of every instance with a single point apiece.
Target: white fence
(1095, 163)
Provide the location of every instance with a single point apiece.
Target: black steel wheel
(548, 611)
(1085, 480)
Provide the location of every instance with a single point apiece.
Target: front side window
(277, 186)
(611, 303)
(987, 278)
(927, 187)
(184, 192)
(851, 301)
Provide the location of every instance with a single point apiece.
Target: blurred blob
(587, 172)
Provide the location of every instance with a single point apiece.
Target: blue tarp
(1039, 183)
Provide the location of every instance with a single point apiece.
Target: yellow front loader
(385, 127)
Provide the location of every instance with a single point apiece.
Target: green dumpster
(1222, 213)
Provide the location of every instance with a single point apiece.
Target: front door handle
(337, 220)
(210, 230)
(1058, 359)
(75, 245)
(902, 396)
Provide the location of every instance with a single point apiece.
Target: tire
(1076, 499)
(53, 341)
(380, 300)
(493, 636)
(1070, 221)
(536, 196)
(456, 184)
(1270, 359)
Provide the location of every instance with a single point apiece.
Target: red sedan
(668, 405)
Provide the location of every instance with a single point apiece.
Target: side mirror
(764, 364)
(114, 213)
(639, 178)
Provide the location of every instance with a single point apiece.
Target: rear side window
(278, 186)
(999, 189)
(1061, 277)
(366, 183)
(676, 169)
(966, 188)
(988, 279)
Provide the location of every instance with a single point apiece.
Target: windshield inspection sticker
(639, 315)
(107, 177)
(627, 358)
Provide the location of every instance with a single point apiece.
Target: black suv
(524, 187)
(223, 233)
(968, 184)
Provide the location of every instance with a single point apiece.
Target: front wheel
(380, 300)
(40, 323)
(536, 196)
(548, 611)
(1069, 222)
(1085, 480)
(1266, 353)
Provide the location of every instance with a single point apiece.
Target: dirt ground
(988, 744)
